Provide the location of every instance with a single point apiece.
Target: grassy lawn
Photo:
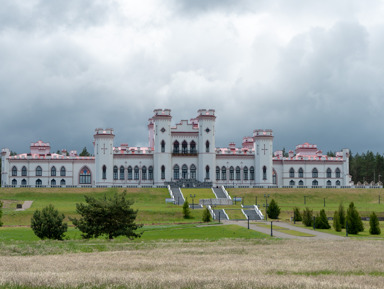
(284, 230)
(202, 193)
(235, 214)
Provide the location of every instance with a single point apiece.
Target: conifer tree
(206, 216)
(355, 225)
(48, 223)
(297, 215)
(186, 210)
(336, 222)
(1, 212)
(307, 217)
(273, 210)
(374, 226)
(321, 221)
(341, 213)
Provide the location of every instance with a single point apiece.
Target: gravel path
(26, 205)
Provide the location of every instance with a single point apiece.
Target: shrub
(341, 213)
(107, 216)
(307, 217)
(186, 210)
(48, 224)
(206, 216)
(297, 215)
(355, 225)
(321, 221)
(1, 212)
(273, 210)
(336, 222)
(374, 226)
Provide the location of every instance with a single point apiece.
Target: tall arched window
(193, 147)
(121, 173)
(53, 171)
(337, 173)
(115, 173)
(85, 176)
(231, 173)
(176, 147)
(184, 147)
(207, 147)
(162, 146)
(53, 183)
(162, 172)
(129, 173)
(301, 173)
(193, 172)
(315, 183)
(223, 173)
(245, 173)
(252, 173)
(144, 173)
(62, 172)
(136, 173)
(184, 172)
(337, 183)
(38, 183)
(176, 172)
(14, 183)
(292, 183)
(39, 171)
(329, 173)
(291, 173)
(23, 182)
(217, 173)
(315, 173)
(238, 173)
(24, 171)
(62, 183)
(104, 172)
(150, 173)
(14, 171)
(274, 177)
(301, 183)
(207, 173)
(329, 183)
(264, 173)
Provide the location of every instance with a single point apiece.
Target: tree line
(366, 167)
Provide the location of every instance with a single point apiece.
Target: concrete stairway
(219, 193)
(178, 196)
(251, 214)
(223, 215)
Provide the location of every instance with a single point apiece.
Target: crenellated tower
(103, 150)
(263, 145)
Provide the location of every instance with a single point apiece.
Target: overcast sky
(313, 71)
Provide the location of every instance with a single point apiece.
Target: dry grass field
(198, 264)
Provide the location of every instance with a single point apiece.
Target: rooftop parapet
(101, 131)
(262, 132)
(162, 112)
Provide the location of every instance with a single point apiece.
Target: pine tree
(321, 221)
(297, 215)
(307, 217)
(336, 222)
(273, 210)
(374, 226)
(1, 212)
(206, 216)
(48, 223)
(355, 225)
(341, 213)
(186, 210)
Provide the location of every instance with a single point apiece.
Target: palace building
(183, 155)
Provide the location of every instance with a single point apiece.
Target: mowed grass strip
(285, 230)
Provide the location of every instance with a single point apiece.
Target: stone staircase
(219, 192)
(251, 214)
(223, 215)
(177, 195)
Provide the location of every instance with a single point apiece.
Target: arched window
(53, 183)
(39, 171)
(301, 173)
(329, 173)
(184, 172)
(315, 173)
(207, 173)
(223, 173)
(115, 173)
(85, 176)
(62, 172)
(53, 171)
(23, 182)
(14, 171)
(315, 183)
(136, 173)
(104, 172)
(301, 183)
(62, 183)
(252, 173)
(184, 147)
(121, 173)
(292, 183)
(207, 147)
(193, 172)
(38, 183)
(274, 177)
(14, 183)
(144, 173)
(291, 173)
(129, 173)
(337, 183)
(162, 172)
(329, 183)
(193, 147)
(150, 173)
(176, 172)
(264, 173)
(245, 173)
(337, 173)
(231, 173)
(24, 171)
(176, 147)
(217, 173)
(238, 173)
(162, 146)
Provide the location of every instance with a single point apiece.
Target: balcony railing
(184, 152)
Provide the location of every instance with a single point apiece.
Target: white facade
(182, 155)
